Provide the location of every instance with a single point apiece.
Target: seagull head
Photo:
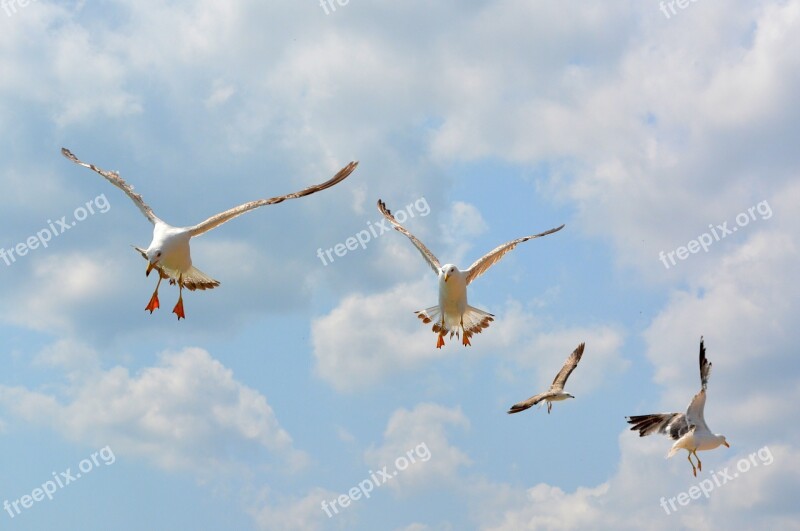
(570, 396)
(723, 441)
(449, 270)
(153, 257)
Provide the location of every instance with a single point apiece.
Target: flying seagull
(689, 430)
(168, 252)
(556, 392)
(453, 314)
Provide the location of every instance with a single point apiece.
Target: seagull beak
(446, 276)
(150, 267)
(726, 444)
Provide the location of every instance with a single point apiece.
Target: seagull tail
(432, 315)
(475, 320)
(196, 279)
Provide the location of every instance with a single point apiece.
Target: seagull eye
(158, 254)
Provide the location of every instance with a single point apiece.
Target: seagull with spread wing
(689, 430)
(556, 392)
(453, 314)
(168, 252)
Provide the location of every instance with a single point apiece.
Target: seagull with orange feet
(453, 315)
(168, 252)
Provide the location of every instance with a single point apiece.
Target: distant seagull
(688, 430)
(168, 252)
(556, 392)
(453, 314)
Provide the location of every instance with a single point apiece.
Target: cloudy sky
(665, 137)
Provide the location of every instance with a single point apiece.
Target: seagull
(689, 430)
(168, 252)
(453, 314)
(556, 392)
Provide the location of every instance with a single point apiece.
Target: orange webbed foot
(178, 309)
(440, 341)
(153, 304)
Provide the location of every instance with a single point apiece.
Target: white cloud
(56, 285)
(178, 414)
(420, 434)
(293, 514)
(367, 337)
(626, 501)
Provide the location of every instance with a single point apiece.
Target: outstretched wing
(694, 413)
(566, 370)
(532, 401)
(705, 365)
(114, 178)
(426, 253)
(674, 425)
(482, 264)
(222, 217)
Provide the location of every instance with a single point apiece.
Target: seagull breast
(453, 294)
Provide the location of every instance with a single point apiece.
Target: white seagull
(689, 430)
(168, 252)
(556, 392)
(453, 314)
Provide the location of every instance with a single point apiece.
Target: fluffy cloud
(420, 434)
(367, 337)
(178, 414)
(295, 513)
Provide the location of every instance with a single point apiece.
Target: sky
(303, 393)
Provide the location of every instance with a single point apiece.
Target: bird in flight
(556, 392)
(168, 252)
(453, 314)
(689, 430)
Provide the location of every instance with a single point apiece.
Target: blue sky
(295, 381)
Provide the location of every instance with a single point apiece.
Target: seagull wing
(694, 413)
(674, 425)
(426, 253)
(566, 370)
(114, 178)
(705, 365)
(492, 257)
(678, 424)
(532, 401)
(222, 217)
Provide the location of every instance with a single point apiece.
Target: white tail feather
(473, 321)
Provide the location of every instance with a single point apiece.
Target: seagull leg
(442, 332)
(153, 304)
(694, 469)
(178, 309)
(465, 334)
(549, 406)
(699, 463)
